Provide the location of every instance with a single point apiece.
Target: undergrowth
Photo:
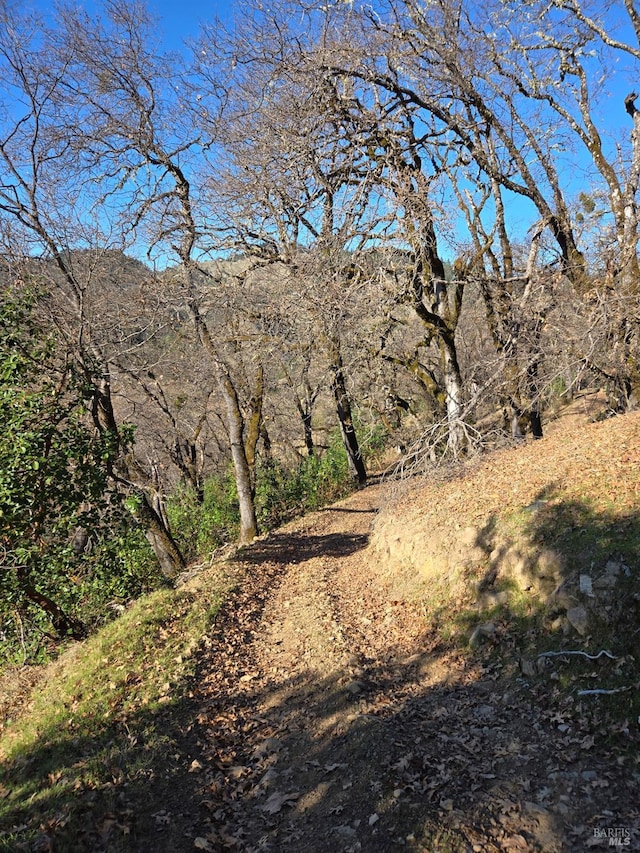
(281, 494)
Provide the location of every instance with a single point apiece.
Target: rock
(562, 600)
(577, 617)
(475, 638)
(549, 564)
(269, 778)
(346, 831)
(467, 557)
(482, 632)
(520, 568)
(557, 624)
(469, 537)
(355, 687)
(528, 667)
(586, 585)
(486, 712)
(613, 567)
(491, 599)
(268, 746)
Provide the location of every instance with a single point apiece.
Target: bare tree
(296, 193)
(136, 135)
(564, 65)
(49, 209)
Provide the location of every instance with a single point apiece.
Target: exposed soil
(329, 720)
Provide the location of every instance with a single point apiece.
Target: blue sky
(179, 21)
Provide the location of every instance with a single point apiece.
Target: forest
(239, 278)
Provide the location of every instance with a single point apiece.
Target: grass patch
(81, 757)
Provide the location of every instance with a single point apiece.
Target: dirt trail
(330, 721)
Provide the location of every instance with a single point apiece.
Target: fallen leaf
(271, 744)
(515, 842)
(237, 771)
(279, 799)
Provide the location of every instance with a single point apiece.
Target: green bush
(92, 588)
(374, 440)
(201, 526)
(282, 494)
(54, 482)
(120, 569)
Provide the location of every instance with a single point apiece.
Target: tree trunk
(184, 455)
(254, 425)
(523, 415)
(305, 410)
(235, 419)
(308, 434)
(345, 418)
(533, 395)
(64, 625)
(452, 381)
(150, 513)
(159, 536)
(242, 469)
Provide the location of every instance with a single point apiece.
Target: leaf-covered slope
(550, 529)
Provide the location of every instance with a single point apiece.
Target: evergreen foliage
(68, 544)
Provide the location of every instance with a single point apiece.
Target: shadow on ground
(443, 750)
(284, 548)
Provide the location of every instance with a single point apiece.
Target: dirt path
(329, 721)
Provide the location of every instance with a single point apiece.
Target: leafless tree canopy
(415, 217)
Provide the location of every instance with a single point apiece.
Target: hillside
(383, 675)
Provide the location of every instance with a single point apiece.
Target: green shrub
(374, 440)
(54, 483)
(201, 526)
(120, 570)
(282, 494)
(91, 588)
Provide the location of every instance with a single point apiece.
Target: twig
(20, 625)
(601, 692)
(583, 654)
